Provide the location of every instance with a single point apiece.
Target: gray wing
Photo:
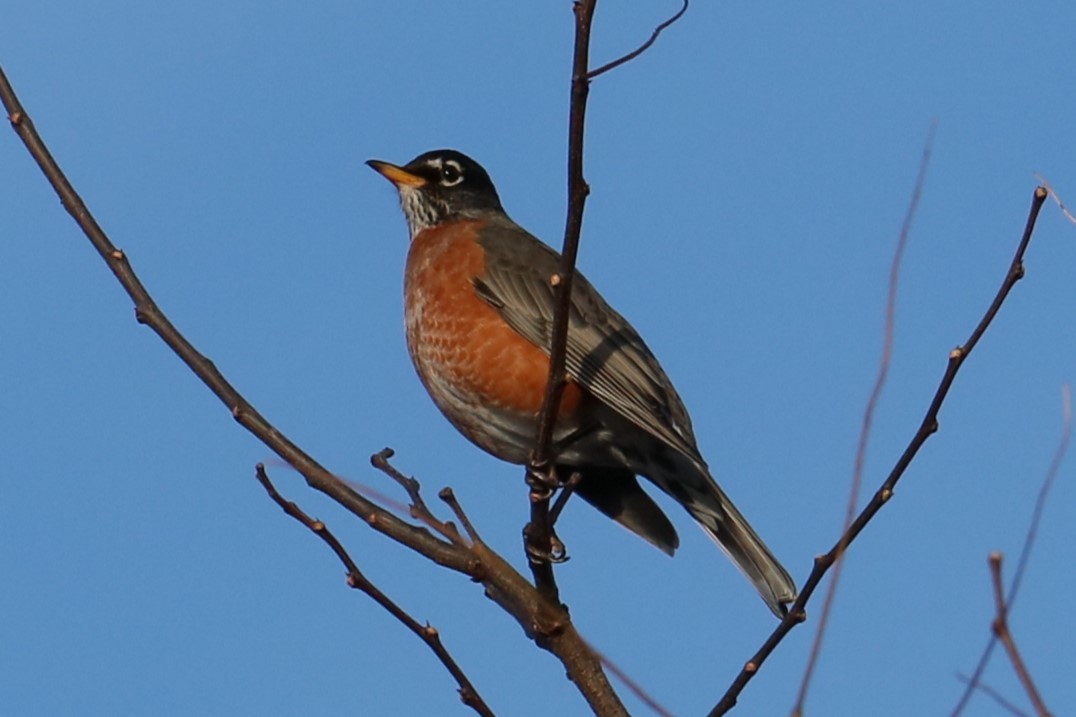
(605, 354)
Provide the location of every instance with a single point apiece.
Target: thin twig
(868, 415)
(449, 497)
(1029, 542)
(1056, 197)
(993, 694)
(380, 461)
(642, 48)
(1004, 635)
(418, 508)
(927, 428)
(539, 533)
(357, 580)
(1044, 493)
(633, 686)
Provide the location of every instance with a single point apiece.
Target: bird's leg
(566, 492)
(541, 541)
(551, 479)
(556, 547)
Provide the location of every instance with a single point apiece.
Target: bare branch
(147, 312)
(357, 580)
(1001, 630)
(539, 532)
(927, 428)
(449, 498)
(1029, 542)
(642, 48)
(868, 416)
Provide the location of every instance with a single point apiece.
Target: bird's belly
(487, 379)
(482, 388)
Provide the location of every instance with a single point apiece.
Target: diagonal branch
(357, 580)
(547, 625)
(926, 429)
(147, 312)
(642, 48)
(636, 689)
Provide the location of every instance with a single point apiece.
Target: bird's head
(438, 186)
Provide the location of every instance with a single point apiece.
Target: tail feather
(734, 535)
(616, 492)
(713, 510)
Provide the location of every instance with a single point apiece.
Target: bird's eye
(451, 174)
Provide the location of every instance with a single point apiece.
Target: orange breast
(464, 351)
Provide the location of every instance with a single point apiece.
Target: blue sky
(749, 176)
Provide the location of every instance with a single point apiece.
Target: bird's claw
(543, 484)
(556, 553)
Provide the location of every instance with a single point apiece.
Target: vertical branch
(539, 532)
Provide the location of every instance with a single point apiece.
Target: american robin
(479, 313)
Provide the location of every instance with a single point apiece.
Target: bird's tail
(713, 510)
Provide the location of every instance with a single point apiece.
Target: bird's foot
(542, 482)
(553, 552)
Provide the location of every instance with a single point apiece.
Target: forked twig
(418, 508)
(1001, 630)
(1025, 550)
(358, 580)
(927, 427)
(868, 415)
(993, 694)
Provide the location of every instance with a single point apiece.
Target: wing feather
(605, 354)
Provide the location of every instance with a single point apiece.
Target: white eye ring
(451, 173)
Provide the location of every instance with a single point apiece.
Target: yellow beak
(397, 175)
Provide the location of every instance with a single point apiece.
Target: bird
(478, 309)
